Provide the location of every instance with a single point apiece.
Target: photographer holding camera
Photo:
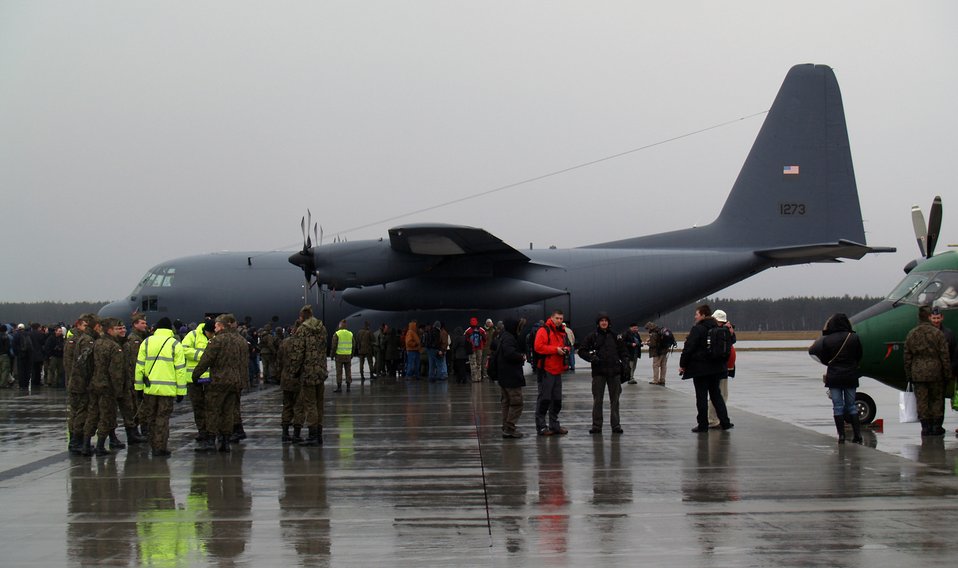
(606, 352)
(552, 347)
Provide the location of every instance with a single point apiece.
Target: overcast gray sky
(132, 133)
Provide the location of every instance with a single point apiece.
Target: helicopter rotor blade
(934, 225)
(921, 230)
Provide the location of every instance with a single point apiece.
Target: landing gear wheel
(867, 409)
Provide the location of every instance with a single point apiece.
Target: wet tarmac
(404, 480)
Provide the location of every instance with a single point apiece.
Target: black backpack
(666, 339)
(719, 344)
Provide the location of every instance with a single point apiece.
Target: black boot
(76, 444)
(87, 450)
(238, 434)
(207, 443)
(145, 432)
(101, 446)
(315, 437)
(133, 437)
(224, 445)
(856, 429)
(925, 428)
(286, 437)
(840, 426)
(937, 428)
(115, 443)
(297, 434)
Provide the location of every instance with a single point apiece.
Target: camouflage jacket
(131, 349)
(287, 381)
(227, 359)
(926, 355)
(306, 354)
(74, 346)
(267, 343)
(109, 366)
(364, 342)
(69, 352)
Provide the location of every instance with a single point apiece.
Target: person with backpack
(476, 336)
(661, 341)
(704, 358)
(722, 319)
(607, 354)
(552, 349)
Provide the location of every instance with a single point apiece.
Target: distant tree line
(763, 314)
(757, 314)
(46, 312)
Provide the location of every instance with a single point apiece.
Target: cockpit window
(160, 277)
(935, 289)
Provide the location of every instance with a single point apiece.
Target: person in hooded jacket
(607, 353)
(841, 351)
(706, 372)
(511, 358)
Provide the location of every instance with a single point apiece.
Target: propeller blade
(934, 225)
(921, 231)
(320, 234)
(316, 235)
(302, 227)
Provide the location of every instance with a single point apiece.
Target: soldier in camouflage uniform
(227, 359)
(109, 373)
(291, 385)
(364, 348)
(126, 396)
(928, 367)
(80, 338)
(268, 345)
(307, 362)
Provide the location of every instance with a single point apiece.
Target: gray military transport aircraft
(795, 201)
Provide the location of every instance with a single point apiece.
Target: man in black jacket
(510, 357)
(705, 370)
(607, 353)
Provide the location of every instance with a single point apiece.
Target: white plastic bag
(907, 406)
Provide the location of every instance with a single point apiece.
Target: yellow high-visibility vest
(162, 361)
(344, 342)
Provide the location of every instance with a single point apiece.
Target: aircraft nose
(120, 309)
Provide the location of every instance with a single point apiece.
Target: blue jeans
(843, 401)
(412, 364)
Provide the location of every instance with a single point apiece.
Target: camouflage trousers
(127, 406)
(931, 400)
(312, 397)
(363, 359)
(155, 412)
(511, 408)
(344, 365)
(6, 369)
(76, 411)
(292, 408)
(222, 408)
(269, 365)
(197, 394)
(100, 413)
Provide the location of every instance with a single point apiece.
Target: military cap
(90, 319)
(164, 323)
(226, 319)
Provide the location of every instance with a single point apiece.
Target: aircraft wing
(450, 240)
(824, 252)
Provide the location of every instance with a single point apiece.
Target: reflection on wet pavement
(404, 480)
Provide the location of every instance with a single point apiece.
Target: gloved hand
(179, 398)
(146, 381)
(139, 396)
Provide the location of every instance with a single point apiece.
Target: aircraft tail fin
(796, 191)
(797, 185)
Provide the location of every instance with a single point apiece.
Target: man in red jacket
(553, 350)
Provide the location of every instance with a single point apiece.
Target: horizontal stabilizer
(823, 252)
